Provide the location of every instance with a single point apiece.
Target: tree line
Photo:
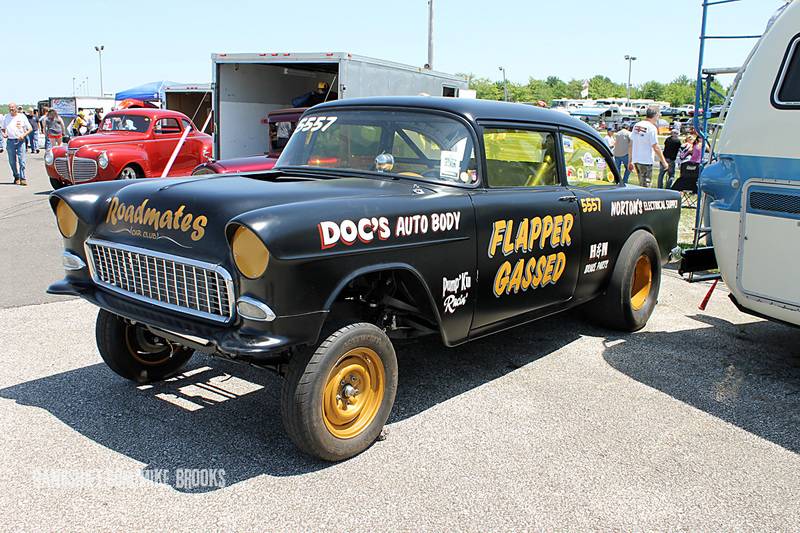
(678, 92)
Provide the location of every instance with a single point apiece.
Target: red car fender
(120, 156)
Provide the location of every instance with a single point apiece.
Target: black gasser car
(384, 218)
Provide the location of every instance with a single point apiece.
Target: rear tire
(632, 292)
(56, 184)
(136, 354)
(337, 398)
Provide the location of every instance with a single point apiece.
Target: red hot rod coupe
(131, 143)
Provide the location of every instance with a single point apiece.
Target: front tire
(633, 290)
(129, 173)
(336, 399)
(134, 353)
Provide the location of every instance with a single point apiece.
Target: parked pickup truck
(131, 143)
(384, 218)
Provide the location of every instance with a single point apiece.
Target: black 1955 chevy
(384, 218)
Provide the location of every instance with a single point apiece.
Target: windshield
(126, 123)
(395, 143)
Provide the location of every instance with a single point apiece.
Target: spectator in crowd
(30, 140)
(53, 129)
(644, 142)
(42, 129)
(2, 137)
(672, 146)
(609, 138)
(697, 150)
(622, 141)
(14, 129)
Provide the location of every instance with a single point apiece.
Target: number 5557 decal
(317, 123)
(590, 205)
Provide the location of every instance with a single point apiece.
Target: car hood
(244, 164)
(179, 214)
(105, 138)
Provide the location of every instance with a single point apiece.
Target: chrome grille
(62, 167)
(177, 283)
(83, 169)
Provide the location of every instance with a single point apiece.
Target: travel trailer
(753, 189)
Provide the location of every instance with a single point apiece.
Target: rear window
(787, 90)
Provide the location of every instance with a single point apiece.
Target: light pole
(86, 84)
(430, 34)
(99, 50)
(73, 85)
(505, 83)
(630, 60)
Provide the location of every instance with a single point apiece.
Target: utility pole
(505, 83)
(73, 85)
(430, 34)
(99, 50)
(630, 60)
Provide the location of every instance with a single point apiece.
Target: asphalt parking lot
(689, 424)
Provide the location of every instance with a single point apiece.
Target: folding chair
(687, 184)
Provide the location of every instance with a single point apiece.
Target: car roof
(149, 112)
(471, 109)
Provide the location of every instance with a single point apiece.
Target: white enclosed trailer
(248, 86)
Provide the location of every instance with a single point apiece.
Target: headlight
(48, 157)
(102, 160)
(67, 219)
(249, 253)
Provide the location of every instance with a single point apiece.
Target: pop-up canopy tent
(149, 92)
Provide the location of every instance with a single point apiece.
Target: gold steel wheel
(353, 393)
(642, 282)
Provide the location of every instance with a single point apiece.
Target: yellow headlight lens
(67, 219)
(249, 253)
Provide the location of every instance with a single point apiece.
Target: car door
(166, 133)
(589, 170)
(528, 233)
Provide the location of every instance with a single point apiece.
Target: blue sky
(173, 39)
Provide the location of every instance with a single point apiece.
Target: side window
(787, 88)
(520, 158)
(586, 166)
(167, 125)
(186, 124)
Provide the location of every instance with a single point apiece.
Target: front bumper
(262, 342)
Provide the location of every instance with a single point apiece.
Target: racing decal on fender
(367, 230)
(531, 235)
(590, 205)
(455, 292)
(597, 251)
(638, 207)
(149, 217)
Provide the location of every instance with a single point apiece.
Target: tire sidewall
(367, 336)
(640, 243)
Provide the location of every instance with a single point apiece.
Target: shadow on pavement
(747, 375)
(223, 415)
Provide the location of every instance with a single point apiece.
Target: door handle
(568, 198)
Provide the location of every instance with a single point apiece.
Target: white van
(754, 187)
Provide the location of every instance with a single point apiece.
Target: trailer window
(400, 143)
(787, 87)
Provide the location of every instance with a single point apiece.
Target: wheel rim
(145, 347)
(642, 282)
(353, 393)
(127, 174)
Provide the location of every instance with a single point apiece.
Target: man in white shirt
(644, 141)
(14, 128)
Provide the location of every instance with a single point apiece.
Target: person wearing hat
(672, 146)
(322, 93)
